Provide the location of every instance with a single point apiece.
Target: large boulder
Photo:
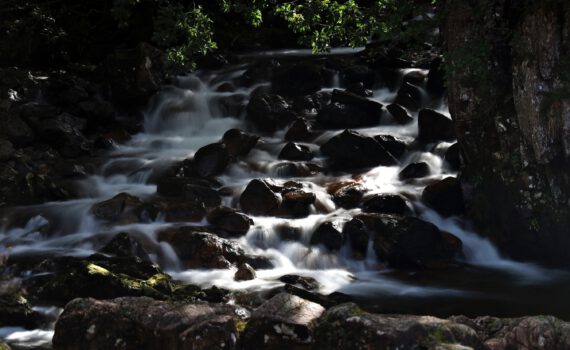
(347, 194)
(434, 126)
(145, 323)
(120, 208)
(328, 234)
(283, 322)
(386, 204)
(348, 110)
(445, 197)
(414, 171)
(269, 112)
(230, 220)
(211, 159)
(400, 114)
(358, 236)
(239, 143)
(198, 249)
(258, 198)
(408, 242)
(349, 150)
(296, 203)
(296, 152)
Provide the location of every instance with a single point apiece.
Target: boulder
(192, 190)
(349, 150)
(15, 310)
(285, 232)
(358, 236)
(124, 245)
(296, 203)
(386, 204)
(211, 160)
(359, 89)
(269, 112)
(434, 126)
(300, 130)
(307, 283)
(445, 197)
(283, 322)
(63, 132)
(296, 152)
(395, 146)
(296, 169)
(407, 242)
(347, 195)
(328, 234)
(239, 143)
(120, 208)
(145, 323)
(198, 249)
(346, 326)
(414, 171)
(452, 157)
(258, 198)
(409, 96)
(297, 79)
(348, 110)
(244, 272)
(230, 220)
(400, 114)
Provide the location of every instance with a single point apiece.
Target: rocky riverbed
(270, 200)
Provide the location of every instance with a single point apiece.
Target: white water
(184, 117)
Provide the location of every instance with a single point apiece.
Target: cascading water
(186, 116)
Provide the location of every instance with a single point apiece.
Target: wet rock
(307, 283)
(117, 209)
(6, 150)
(192, 190)
(347, 195)
(296, 169)
(288, 233)
(123, 245)
(296, 152)
(328, 235)
(63, 133)
(296, 203)
(258, 198)
(171, 211)
(358, 236)
(284, 321)
(348, 110)
(359, 74)
(199, 249)
(348, 327)
(15, 130)
(258, 262)
(269, 112)
(434, 126)
(399, 113)
(407, 242)
(452, 157)
(349, 150)
(387, 204)
(140, 323)
(211, 159)
(300, 130)
(239, 143)
(230, 220)
(15, 311)
(415, 77)
(297, 80)
(414, 171)
(359, 89)
(394, 145)
(244, 273)
(445, 197)
(409, 96)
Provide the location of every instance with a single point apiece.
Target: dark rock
(244, 273)
(409, 96)
(15, 130)
(414, 171)
(300, 130)
(298, 79)
(307, 283)
(284, 321)
(407, 242)
(229, 105)
(294, 151)
(37, 111)
(445, 197)
(190, 189)
(258, 198)
(359, 89)
(399, 113)
(348, 327)
(120, 208)
(328, 235)
(452, 157)
(387, 204)
(201, 249)
(63, 133)
(239, 143)
(296, 169)
(259, 262)
(415, 77)
(358, 236)
(15, 310)
(230, 220)
(139, 323)
(226, 87)
(176, 210)
(296, 203)
(123, 245)
(347, 195)
(211, 159)
(349, 150)
(395, 146)
(269, 112)
(348, 110)
(6, 150)
(288, 233)
(359, 74)
(434, 126)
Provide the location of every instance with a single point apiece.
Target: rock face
(512, 119)
(144, 323)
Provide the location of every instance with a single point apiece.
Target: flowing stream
(185, 116)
